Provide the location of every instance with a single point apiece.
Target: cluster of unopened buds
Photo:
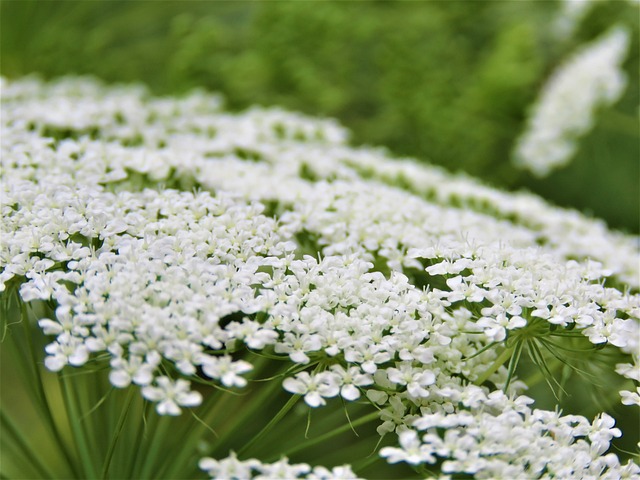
(169, 235)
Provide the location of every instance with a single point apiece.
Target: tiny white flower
(171, 395)
(226, 369)
(314, 388)
(412, 451)
(631, 398)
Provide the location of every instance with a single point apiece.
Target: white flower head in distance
(565, 110)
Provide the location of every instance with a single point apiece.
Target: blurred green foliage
(448, 82)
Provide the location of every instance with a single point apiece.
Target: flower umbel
(180, 261)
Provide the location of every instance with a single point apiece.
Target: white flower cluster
(565, 111)
(492, 439)
(168, 234)
(233, 468)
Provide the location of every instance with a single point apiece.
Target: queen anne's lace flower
(170, 235)
(592, 78)
(315, 388)
(171, 395)
(502, 438)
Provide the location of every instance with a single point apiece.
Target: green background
(446, 82)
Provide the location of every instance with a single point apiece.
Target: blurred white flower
(171, 395)
(566, 108)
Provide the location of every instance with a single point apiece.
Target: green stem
(41, 396)
(501, 360)
(216, 405)
(114, 439)
(332, 420)
(283, 411)
(256, 404)
(140, 437)
(326, 436)
(18, 440)
(80, 437)
(539, 373)
(367, 462)
(15, 460)
(191, 436)
(157, 441)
